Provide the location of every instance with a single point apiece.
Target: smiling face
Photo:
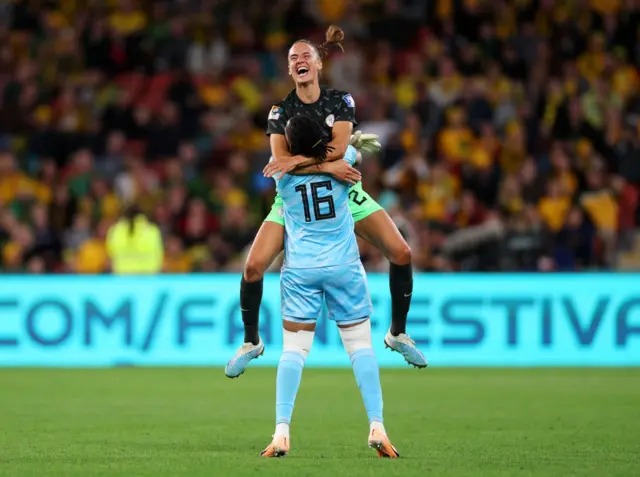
(304, 63)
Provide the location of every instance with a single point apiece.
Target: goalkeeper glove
(365, 142)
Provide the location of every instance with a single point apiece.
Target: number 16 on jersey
(329, 211)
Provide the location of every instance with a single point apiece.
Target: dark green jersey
(332, 106)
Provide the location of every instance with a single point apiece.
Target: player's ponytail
(333, 37)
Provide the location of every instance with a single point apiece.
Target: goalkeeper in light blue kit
(322, 264)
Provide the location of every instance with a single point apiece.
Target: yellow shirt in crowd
(332, 10)
(181, 263)
(554, 210)
(18, 183)
(604, 7)
(602, 208)
(127, 23)
(11, 253)
(437, 198)
(456, 143)
(92, 257)
(135, 252)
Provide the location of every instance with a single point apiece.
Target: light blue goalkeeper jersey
(318, 222)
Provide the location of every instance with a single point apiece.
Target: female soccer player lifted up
(336, 111)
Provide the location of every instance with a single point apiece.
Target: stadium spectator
(133, 245)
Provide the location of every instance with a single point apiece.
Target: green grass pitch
(195, 422)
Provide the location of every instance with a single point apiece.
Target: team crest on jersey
(330, 120)
(349, 100)
(275, 112)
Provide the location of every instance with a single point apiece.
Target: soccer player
(322, 264)
(335, 110)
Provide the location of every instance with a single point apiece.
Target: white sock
(282, 430)
(378, 426)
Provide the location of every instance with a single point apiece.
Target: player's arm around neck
(282, 161)
(340, 170)
(341, 133)
(280, 150)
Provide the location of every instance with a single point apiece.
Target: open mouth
(302, 71)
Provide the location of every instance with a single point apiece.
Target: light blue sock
(365, 368)
(287, 384)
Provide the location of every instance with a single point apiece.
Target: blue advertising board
(457, 319)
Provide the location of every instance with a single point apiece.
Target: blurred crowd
(510, 128)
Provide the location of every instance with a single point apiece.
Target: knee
(298, 342)
(253, 269)
(356, 337)
(401, 254)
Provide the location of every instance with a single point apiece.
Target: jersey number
(353, 195)
(317, 201)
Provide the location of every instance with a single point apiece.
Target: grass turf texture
(444, 422)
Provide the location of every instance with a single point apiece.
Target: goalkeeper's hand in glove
(365, 142)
